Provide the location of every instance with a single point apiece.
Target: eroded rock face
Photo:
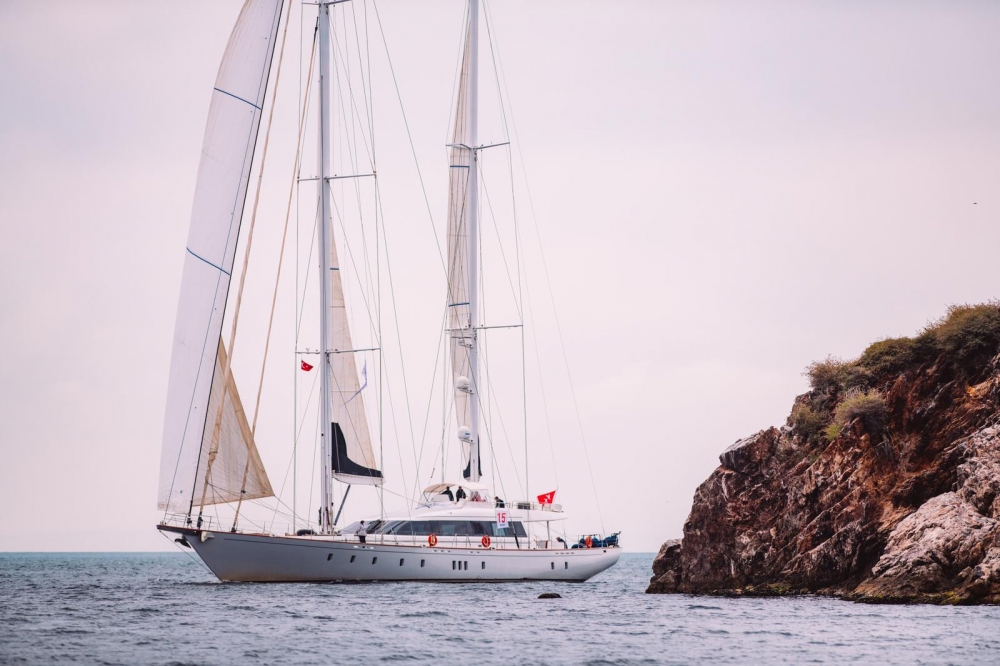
(932, 552)
(908, 512)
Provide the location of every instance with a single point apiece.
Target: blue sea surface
(167, 609)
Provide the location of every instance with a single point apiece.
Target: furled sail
(353, 460)
(459, 326)
(220, 192)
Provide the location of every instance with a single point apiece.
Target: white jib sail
(237, 468)
(353, 458)
(460, 333)
(220, 192)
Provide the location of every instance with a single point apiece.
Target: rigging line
(503, 426)
(364, 89)
(312, 471)
(354, 105)
(352, 155)
(548, 281)
(298, 433)
(354, 265)
(228, 371)
(409, 136)
(510, 280)
(399, 336)
(458, 65)
(476, 395)
(541, 383)
(305, 285)
(281, 251)
(430, 399)
(373, 324)
(495, 56)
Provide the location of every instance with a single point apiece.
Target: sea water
(167, 609)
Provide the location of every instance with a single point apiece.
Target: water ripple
(165, 609)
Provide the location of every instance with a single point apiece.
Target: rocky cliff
(882, 486)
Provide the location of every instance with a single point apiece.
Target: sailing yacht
(457, 530)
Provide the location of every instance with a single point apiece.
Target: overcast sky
(724, 193)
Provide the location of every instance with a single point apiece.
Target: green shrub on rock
(889, 356)
(809, 422)
(869, 406)
(968, 336)
(833, 374)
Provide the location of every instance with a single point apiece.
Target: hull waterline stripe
(239, 98)
(207, 261)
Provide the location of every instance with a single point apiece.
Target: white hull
(266, 558)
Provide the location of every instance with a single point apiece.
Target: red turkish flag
(306, 366)
(547, 498)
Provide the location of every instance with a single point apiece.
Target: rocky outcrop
(883, 486)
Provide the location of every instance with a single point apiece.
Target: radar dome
(463, 384)
(465, 434)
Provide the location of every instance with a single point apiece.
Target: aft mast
(474, 464)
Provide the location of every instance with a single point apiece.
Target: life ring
(432, 540)
(590, 542)
(486, 541)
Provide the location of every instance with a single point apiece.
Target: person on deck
(460, 495)
(499, 503)
(361, 532)
(451, 495)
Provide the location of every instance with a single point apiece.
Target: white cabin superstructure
(457, 531)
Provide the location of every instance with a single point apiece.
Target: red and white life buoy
(589, 542)
(432, 540)
(486, 542)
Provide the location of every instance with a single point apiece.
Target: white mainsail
(220, 192)
(353, 460)
(461, 334)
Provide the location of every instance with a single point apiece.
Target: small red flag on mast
(306, 366)
(547, 498)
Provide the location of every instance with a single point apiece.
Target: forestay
(220, 192)
(459, 325)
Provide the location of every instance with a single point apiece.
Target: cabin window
(421, 564)
(329, 557)
(484, 565)
(453, 565)
(352, 558)
(374, 560)
(553, 565)
(565, 565)
(401, 561)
